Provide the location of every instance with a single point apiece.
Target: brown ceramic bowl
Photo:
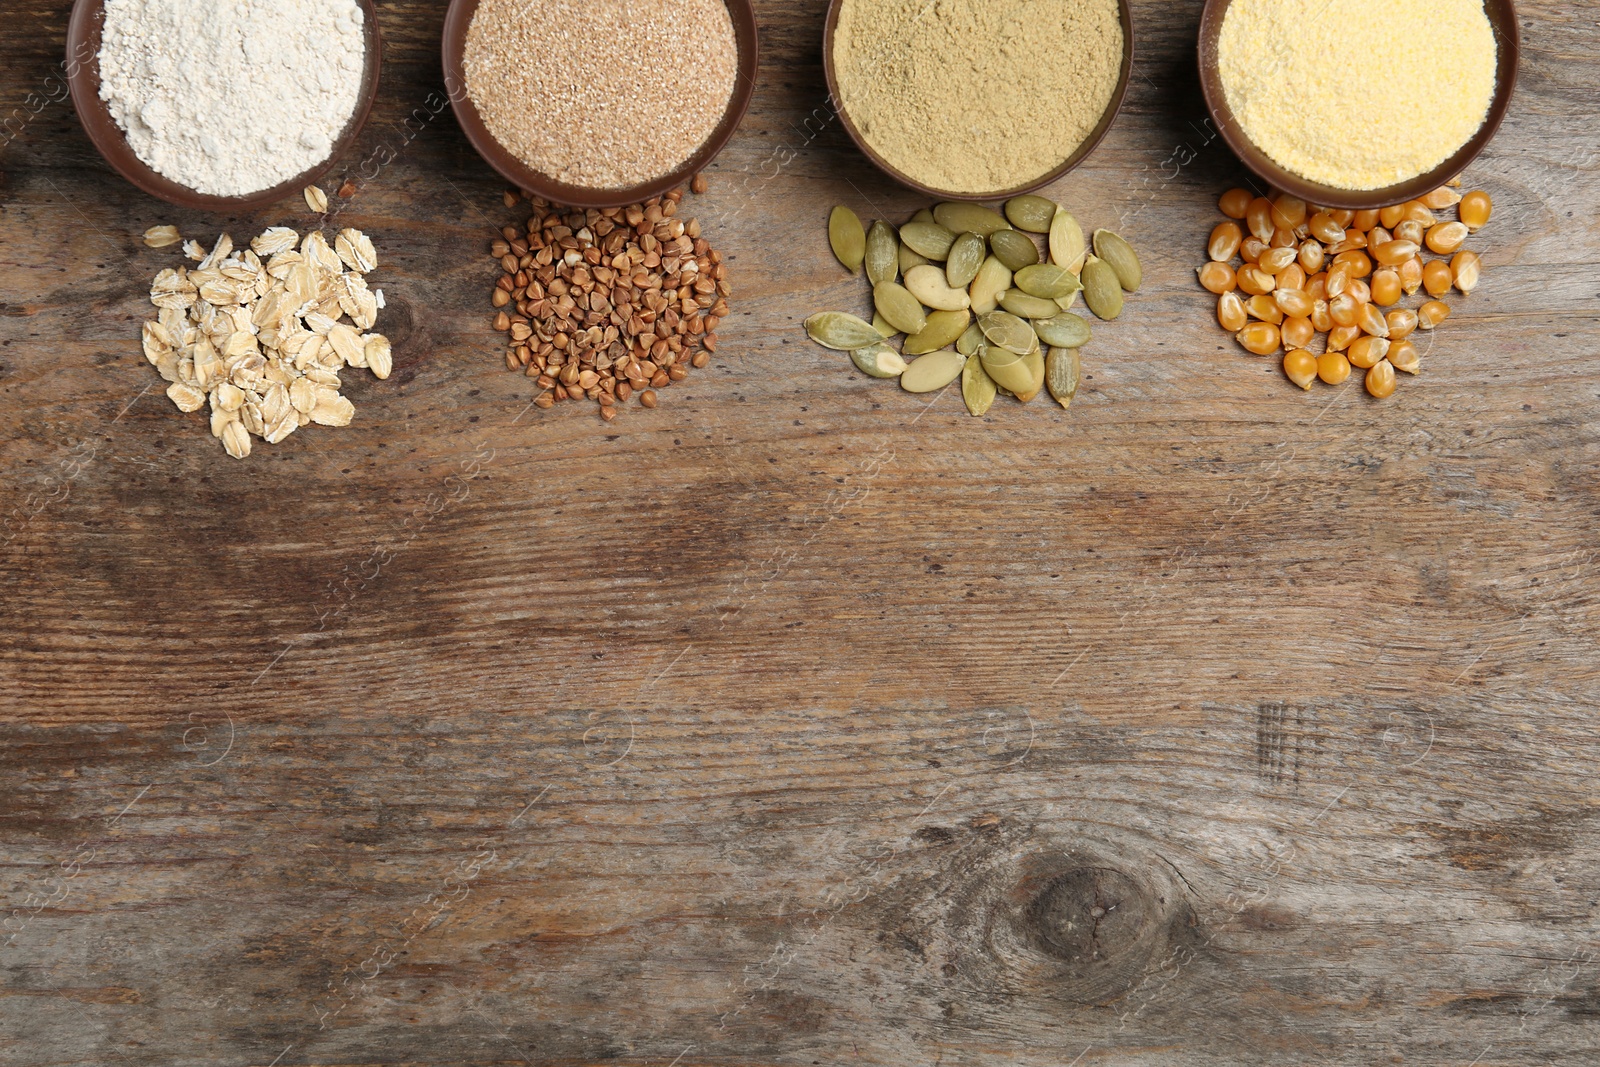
(1502, 16)
(519, 174)
(83, 39)
(1078, 156)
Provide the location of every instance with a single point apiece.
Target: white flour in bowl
(230, 97)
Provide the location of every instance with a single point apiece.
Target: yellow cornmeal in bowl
(976, 96)
(1358, 94)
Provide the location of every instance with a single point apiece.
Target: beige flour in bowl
(976, 96)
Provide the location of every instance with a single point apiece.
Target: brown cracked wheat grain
(601, 95)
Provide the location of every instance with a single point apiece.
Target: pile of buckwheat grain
(605, 304)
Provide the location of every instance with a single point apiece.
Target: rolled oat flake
(232, 97)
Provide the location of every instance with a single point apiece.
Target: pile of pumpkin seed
(976, 299)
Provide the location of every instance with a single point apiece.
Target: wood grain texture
(800, 721)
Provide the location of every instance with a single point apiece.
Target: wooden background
(798, 721)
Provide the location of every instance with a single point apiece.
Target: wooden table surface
(800, 721)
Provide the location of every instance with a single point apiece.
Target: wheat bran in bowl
(601, 96)
(977, 98)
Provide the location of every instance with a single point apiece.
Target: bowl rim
(458, 17)
(1082, 152)
(83, 81)
(1502, 15)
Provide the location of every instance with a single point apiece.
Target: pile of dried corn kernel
(1307, 270)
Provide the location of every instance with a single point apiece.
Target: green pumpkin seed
(1006, 369)
(878, 361)
(1048, 281)
(883, 253)
(1065, 330)
(1031, 213)
(899, 308)
(928, 284)
(1067, 302)
(994, 278)
(932, 372)
(1015, 250)
(1024, 306)
(1033, 364)
(909, 259)
(1005, 330)
(966, 256)
(927, 239)
(977, 388)
(1066, 241)
(1062, 372)
(971, 218)
(1120, 257)
(880, 324)
(842, 332)
(1102, 290)
(943, 329)
(924, 215)
(848, 239)
(967, 344)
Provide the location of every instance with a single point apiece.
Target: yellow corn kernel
(1365, 219)
(1235, 203)
(1432, 314)
(1404, 356)
(1288, 211)
(1301, 367)
(1274, 260)
(1225, 240)
(1282, 238)
(1332, 367)
(1260, 338)
(1371, 321)
(1321, 321)
(1393, 215)
(1342, 215)
(1312, 256)
(1344, 309)
(1402, 323)
(1324, 229)
(1417, 211)
(1231, 314)
(1258, 217)
(1361, 291)
(1386, 287)
(1342, 337)
(1411, 275)
(1316, 286)
(1292, 301)
(1251, 247)
(1475, 209)
(1446, 237)
(1380, 379)
(1217, 277)
(1297, 331)
(1394, 253)
(1262, 307)
(1255, 281)
(1441, 198)
(1360, 263)
(1368, 351)
(1465, 267)
(1339, 276)
(1410, 230)
(1292, 277)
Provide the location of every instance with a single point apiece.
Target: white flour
(229, 97)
